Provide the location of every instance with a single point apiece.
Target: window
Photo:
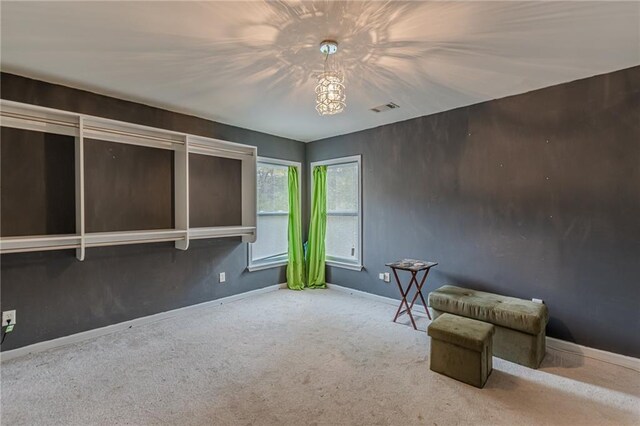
(344, 212)
(270, 249)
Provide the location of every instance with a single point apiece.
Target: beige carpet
(317, 357)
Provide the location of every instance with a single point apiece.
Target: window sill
(261, 266)
(350, 266)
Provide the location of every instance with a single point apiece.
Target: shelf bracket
(79, 148)
(181, 179)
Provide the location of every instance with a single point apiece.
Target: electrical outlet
(8, 317)
(386, 277)
(223, 277)
(381, 276)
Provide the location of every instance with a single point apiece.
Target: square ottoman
(461, 348)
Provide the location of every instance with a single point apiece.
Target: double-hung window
(344, 212)
(270, 248)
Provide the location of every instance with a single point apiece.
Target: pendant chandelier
(330, 97)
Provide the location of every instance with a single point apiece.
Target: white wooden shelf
(23, 116)
(97, 239)
(133, 134)
(222, 231)
(80, 126)
(39, 243)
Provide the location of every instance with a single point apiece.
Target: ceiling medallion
(330, 97)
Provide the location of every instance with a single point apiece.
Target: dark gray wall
(536, 195)
(37, 174)
(127, 187)
(56, 295)
(215, 186)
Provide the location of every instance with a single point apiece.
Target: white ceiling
(252, 64)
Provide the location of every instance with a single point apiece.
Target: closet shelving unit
(79, 126)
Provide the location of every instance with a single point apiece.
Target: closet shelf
(47, 120)
(97, 239)
(132, 134)
(222, 231)
(39, 243)
(101, 239)
(219, 148)
(22, 116)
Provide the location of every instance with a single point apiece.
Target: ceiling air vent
(385, 107)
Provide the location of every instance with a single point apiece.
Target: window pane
(272, 188)
(273, 209)
(342, 212)
(342, 188)
(272, 236)
(342, 237)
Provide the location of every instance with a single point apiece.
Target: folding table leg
(404, 297)
(419, 292)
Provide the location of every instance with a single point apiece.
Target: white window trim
(278, 262)
(338, 263)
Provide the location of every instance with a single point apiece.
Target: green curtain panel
(296, 266)
(317, 229)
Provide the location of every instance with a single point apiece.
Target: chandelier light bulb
(330, 96)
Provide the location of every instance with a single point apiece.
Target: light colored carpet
(298, 358)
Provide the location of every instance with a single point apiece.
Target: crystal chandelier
(330, 89)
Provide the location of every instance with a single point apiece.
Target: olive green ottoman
(461, 348)
(520, 324)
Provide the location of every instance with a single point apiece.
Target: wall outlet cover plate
(8, 315)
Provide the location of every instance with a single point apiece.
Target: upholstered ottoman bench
(520, 324)
(461, 348)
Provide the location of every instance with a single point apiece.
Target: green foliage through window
(342, 188)
(272, 189)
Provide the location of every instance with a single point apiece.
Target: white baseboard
(97, 332)
(610, 357)
(552, 343)
(383, 299)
